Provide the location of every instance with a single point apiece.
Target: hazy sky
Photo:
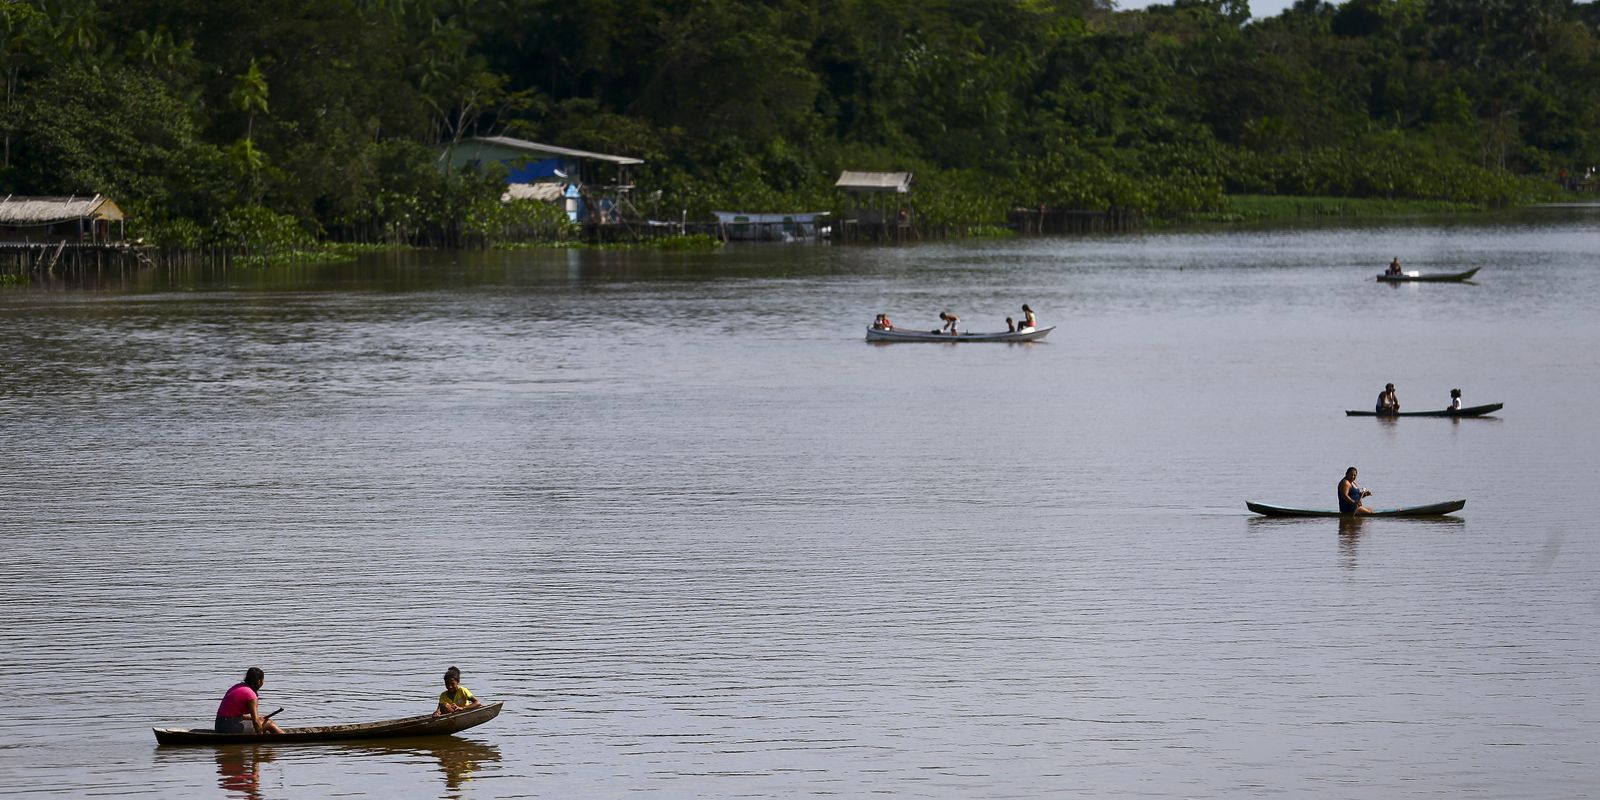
(1258, 8)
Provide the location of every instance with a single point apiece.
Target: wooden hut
(880, 205)
(597, 185)
(78, 219)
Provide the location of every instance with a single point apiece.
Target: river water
(704, 541)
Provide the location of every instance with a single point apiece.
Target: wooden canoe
(1434, 277)
(1435, 510)
(1467, 411)
(904, 335)
(425, 725)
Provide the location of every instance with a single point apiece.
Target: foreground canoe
(1434, 277)
(1468, 411)
(1435, 510)
(425, 725)
(903, 335)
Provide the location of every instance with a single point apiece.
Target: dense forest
(326, 117)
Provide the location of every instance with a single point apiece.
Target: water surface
(705, 541)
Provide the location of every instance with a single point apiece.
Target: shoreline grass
(1255, 207)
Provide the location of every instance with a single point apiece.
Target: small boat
(1435, 510)
(904, 335)
(1435, 277)
(1468, 411)
(425, 725)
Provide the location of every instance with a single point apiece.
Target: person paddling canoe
(1350, 495)
(240, 711)
(1388, 402)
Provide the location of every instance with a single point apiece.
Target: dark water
(705, 541)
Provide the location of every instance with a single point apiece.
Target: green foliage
(694, 241)
(117, 131)
(745, 105)
(159, 231)
(257, 230)
(1274, 207)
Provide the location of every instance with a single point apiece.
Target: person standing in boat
(455, 697)
(240, 710)
(1394, 267)
(1350, 495)
(1029, 321)
(1388, 403)
(950, 321)
(1455, 400)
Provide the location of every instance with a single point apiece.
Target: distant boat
(1469, 411)
(1436, 277)
(426, 725)
(904, 335)
(1435, 510)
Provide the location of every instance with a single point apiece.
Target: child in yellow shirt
(455, 697)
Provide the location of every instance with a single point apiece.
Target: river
(705, 541)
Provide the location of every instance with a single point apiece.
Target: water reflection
(1350, 529)
(239, 770)
(458, 759)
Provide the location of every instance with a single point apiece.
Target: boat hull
(388, 729)
(1434, 510)
(1469, 411)
(902, 335)
(1432, 277)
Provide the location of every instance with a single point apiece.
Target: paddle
(273, 714)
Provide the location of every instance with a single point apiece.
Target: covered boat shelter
(880, 205)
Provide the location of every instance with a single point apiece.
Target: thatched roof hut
(78, 217)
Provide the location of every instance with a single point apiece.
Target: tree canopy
(331, 112)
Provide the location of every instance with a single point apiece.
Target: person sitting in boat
(1350, 495)
(1028, 319)
(1394, 267)
(455, 697)
(882, 323)
(1388, 403)
(240, 711)
(1455, 400)
(950, 321)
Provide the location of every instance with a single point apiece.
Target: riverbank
(1262, 208)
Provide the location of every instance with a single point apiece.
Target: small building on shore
(76, 219)
(739, 226)
(595, 187)
(879, 205)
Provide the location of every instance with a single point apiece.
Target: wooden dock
(75, 258)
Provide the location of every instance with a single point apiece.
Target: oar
(273, 714)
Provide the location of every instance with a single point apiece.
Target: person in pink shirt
(240, 712)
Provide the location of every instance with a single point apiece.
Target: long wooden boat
(904, 335)
(1435, 510)
(425, 725)
(1434, 277)
(1467, 411)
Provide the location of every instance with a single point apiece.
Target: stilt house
(78, 219)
